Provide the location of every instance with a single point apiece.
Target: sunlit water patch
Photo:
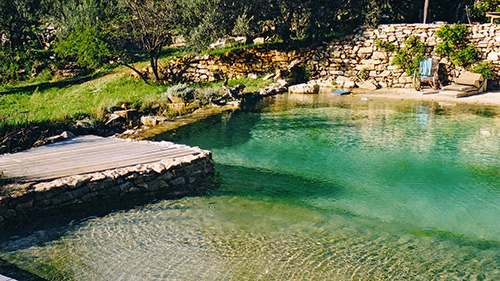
(333, 189)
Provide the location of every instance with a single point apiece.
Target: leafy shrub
(480, 8)
(373, 13)
(300, 74)
(180, 91)
(455, 45)
(211, 94)
(84, 46)
(385, 46)
(15, 64)
(484, 68)
(409, 57)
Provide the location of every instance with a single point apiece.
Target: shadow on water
(54, 225)
(262, 184)
(218, 131)
(12, 271)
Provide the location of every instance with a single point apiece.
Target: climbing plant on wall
(456, 46)
(409, 56)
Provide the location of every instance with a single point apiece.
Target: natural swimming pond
(312, 188)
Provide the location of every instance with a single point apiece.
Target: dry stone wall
(341, 58)
(171, 177)
(235, 64)
(350, 56)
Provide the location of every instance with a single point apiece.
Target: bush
(386, 46)
(484, 68)
(211, 94)
(180, 91)
(84, 46)
(364, 74)
(480, 8)
(15, 64)
(455, 45)
(410, 56)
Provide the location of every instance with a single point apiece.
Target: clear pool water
(312, 188)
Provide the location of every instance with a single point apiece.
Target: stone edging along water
(167, 178)
(22, 202)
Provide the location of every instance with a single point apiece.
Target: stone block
(384, 73)
(154, 185)
(383, 84)
(405, 79)
(178, 181)
(349, 84)
(367, 85)
(492, 56)
(304, 89)
(365, 50)
(10, 213)
(126, 186)
(378, 56)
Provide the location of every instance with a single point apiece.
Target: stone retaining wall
(348, 57)
(341, 58)
(167, 178)
(232, 65)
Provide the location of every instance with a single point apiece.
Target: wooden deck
(86, 154)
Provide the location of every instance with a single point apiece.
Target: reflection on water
(314, 187)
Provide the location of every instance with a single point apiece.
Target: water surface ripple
(334, 189)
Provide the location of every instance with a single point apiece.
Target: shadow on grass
(46, 85)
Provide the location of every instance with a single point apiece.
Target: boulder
(304, 89)
(258, 40)
(367, 85)
(492, 56)
(152, 120)
(345, 82)
(62, 136)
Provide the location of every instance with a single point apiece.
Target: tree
(150, 23)
(19, 47)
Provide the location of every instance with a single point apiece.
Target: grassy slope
(55, 104)
(90, 98)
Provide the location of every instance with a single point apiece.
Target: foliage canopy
(127, 30)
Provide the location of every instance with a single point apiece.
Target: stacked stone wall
(167, 178)
(231, 65)
(348, 57)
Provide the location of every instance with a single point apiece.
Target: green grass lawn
(57, 104)
(91, 98)
(41, 101)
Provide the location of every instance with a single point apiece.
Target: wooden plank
(94, 155)
(137, 159)
(27, 174)
(69, 151)
(107, 146)
(46, 175)
(86, 154)
(90, 155)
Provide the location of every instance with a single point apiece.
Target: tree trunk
(154, 67)
(426, 9)
(138, 72)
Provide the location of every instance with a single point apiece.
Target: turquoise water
(312, 188)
